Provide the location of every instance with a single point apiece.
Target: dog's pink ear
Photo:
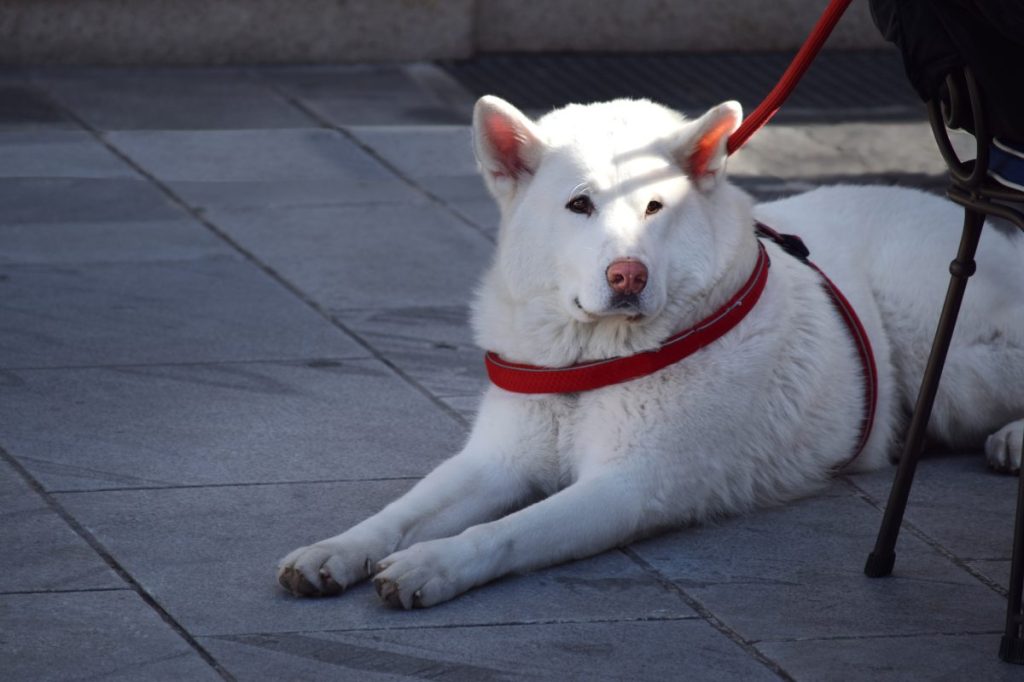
(702, 153)
(507, 143)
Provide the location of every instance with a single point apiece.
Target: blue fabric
(1006, 164)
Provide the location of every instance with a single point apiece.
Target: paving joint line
(930, 542)
(8, 593)
(891, 635)
(115, 566)
(243, 484)
(305, 362)
(182, 260)
(707, 616)
(200, 217)
(456, 626)
(372, 153)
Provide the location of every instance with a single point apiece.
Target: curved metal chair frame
(980, 196)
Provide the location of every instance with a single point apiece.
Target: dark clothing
(939, 36)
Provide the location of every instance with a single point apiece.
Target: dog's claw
(331, 586)
(388, 592)
(296, 583)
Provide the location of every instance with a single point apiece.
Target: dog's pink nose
(627, 276)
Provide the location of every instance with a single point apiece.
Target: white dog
(619, 230)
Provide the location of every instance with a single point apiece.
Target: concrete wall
(664, 25)
(254, 31)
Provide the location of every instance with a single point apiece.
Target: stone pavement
(233, 321)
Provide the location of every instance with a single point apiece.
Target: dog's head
(608, 213)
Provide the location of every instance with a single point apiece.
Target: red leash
(766, 109)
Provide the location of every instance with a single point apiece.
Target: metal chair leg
(1011, 649)
(880, 562)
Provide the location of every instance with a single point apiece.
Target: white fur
(764, 414)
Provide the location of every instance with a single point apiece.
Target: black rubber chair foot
(1011, 649)
(879, 565)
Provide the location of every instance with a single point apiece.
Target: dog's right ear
(508, 145)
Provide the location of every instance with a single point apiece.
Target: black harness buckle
(790, 243)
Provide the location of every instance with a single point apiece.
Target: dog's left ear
(701, 153)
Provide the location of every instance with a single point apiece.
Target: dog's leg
(596, 513)
(462, 491)
(488, 478)
(1003, 448)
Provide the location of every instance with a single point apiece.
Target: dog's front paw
(423, 575)
(325, 569)
(1003, 448)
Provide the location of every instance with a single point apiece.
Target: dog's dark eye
(653, 207)
(580, 204)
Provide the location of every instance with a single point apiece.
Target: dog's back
(889, 249)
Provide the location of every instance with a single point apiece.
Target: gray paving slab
(170, 98)
(24, 107)
(31, 201)
(137, 241)
(363, 95)
(483, 213)
(221, 424)
(440, 160)
(657, 650)
(787, 158)
(996, 570)
(58, 154)
(380, 255)
(217, 309)
(432, 345)
(959, 502)
(440, 326)
(796, 572)
(465, 405)
(239, 168)
(110, 635)
(441, 154)
(41, 552)
(208, 555)
(942, 658)
(457, 189)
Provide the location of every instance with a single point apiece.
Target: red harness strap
(587, 376)
(794, 246)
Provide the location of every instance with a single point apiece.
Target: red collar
(587, 376)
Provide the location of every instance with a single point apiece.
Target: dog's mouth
(628, 307)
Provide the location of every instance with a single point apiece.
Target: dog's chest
(558, 453)
(557, 448)
(589, 429)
